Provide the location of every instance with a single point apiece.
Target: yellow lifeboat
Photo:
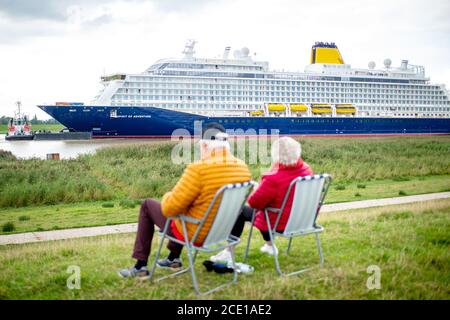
(257, 113)
(345, 108)
(321, 108)
(276, 107)
(299, 107)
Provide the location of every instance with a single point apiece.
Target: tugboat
(19, 128)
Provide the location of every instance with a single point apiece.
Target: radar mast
(189, 49)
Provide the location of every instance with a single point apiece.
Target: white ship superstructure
(240, 86)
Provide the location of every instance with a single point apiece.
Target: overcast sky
(56, 50)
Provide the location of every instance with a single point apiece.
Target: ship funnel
(404, 65)
(226, 52)
(324, 52)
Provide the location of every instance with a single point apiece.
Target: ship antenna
(189, 48)
(18, 107)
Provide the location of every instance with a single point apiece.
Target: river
(66, 149)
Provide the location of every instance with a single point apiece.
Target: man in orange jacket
(191, 196)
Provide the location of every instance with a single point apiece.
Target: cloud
(14, 34)
(98, 21)
(59, 9)
(42, 9)
(21, 20)
(181, 6)
(24, 19)
(56, 51)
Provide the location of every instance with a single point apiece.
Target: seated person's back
(287, 165)
(272, 190)
(191, 196)
(201, 180)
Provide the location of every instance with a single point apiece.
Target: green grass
(376, 189)
(36, 127)
(145, 170)
(67, 216)
(75, 193)
(88, 214)
(409, 243)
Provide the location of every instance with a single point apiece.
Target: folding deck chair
(232, 198)
(309, 194)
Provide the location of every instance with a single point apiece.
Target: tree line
(34, 120)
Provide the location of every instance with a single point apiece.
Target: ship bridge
(241, 61)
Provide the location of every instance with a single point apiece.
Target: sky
(56, 50)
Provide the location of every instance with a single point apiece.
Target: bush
(8, 227)
(7, 155)
(402, 193)
(361, 186)
(340, 187)
(24, 218)
(127, 204)
(108, 205)
(401, 178)
(357, 194)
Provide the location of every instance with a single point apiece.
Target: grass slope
(409, 243)
(87, 214)
(145, 170)
(43, 195)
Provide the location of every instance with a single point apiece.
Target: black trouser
(246, 215)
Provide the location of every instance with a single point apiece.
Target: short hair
(215, 136)
(214, 131)
(286, 151)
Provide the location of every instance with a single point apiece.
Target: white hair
(286, 151)
(215, 144)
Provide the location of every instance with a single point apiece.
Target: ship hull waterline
(151, 122)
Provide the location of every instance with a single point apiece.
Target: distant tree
(51, 121)
(34, 120)
(4, 120)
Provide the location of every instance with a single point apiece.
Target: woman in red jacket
(287, 165)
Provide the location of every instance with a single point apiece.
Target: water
(66, 149)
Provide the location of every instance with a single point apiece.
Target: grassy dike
(409, 244)
(100, 213)
(106, 188)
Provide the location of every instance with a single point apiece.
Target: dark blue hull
(136, 122)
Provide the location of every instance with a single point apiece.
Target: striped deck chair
(309, 194)
(232, 198)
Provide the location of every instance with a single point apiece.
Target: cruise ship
(329, 98)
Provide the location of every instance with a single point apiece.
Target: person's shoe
(133, 272)
(222, 256)
(209, 265)
(270, 250)
(174, 264)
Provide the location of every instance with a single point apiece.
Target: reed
(144, 170)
